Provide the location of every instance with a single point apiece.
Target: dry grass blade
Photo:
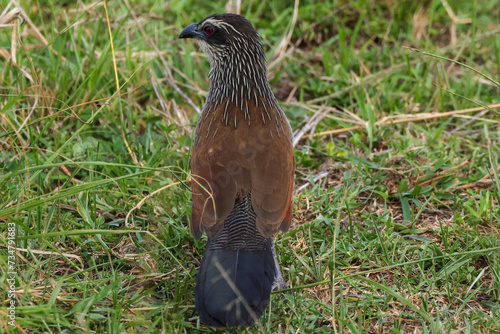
(326, 112)
(34, 29)
(482, 182)
(233, 6)
(310, 125)
(471, 120)
(318, 177)
(406, 118)
(453, 16)
(455, 20)
(398, 119)
(68, 255)
(281, 50)
(170, 78)
(9, 16)
(442, 174)
(117, 82)
(182, 119)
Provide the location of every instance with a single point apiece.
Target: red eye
(209, 30)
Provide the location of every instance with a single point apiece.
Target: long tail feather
(237, 272)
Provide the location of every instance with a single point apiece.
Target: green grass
(396, 220)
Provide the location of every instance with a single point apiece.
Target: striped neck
(238, 80)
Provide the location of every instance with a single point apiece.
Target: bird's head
(223, 35)
(237, 63)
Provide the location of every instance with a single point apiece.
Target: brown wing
(245, 155)
(272, 181)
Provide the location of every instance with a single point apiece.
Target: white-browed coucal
(242, 166)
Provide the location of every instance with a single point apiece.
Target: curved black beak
(190, 31)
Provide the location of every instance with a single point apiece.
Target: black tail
(237, 272)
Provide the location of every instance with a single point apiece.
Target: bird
(242, 168)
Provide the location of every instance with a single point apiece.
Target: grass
(396, 205)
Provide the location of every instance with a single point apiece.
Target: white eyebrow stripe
(222, 25)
